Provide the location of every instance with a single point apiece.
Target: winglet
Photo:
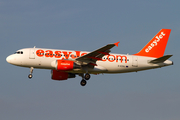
(116, 44)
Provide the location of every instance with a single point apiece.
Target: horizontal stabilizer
(161, 59)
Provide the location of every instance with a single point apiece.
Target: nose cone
(8, 59)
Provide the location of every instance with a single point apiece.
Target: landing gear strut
(84, 78)
(31, 71)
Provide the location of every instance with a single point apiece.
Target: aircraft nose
(14, 60)
(9, 59)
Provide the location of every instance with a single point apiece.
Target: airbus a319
(65, 64)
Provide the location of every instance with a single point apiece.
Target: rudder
(157, 45)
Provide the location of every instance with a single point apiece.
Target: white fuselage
(114, 63)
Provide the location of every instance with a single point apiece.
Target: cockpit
(18, 52)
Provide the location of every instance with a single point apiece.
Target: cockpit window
(18, 52)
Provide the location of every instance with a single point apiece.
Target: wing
(92, 57)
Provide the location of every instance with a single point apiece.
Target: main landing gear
(84, 79)
(31, 71)
(83, 82)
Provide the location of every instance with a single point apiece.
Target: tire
(30, 76)
(83, 82)
(87, 76)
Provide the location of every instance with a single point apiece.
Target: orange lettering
(57, 54)
(121, 58)
(104, 58)
(83, 54)
(66, 54)
(75, 56)
(49, 53)
(110, 59)
(40, 53)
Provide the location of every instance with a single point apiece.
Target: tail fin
(157, 45)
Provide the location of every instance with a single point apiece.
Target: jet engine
(66, 65)
(60, 75)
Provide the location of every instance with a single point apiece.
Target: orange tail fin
(157, 45)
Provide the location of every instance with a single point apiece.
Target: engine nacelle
(64, 65)
(60, 75)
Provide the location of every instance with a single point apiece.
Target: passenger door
(32, 53)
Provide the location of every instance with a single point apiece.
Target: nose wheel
(31, 71)
(30, 76)
(84, 79)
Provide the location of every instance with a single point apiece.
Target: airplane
(65, 64)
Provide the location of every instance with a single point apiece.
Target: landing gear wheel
(30, 76)
(83, 82)
(87, 76)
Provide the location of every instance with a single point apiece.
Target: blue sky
(88, 25)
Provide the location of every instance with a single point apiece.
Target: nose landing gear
(31, 71)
